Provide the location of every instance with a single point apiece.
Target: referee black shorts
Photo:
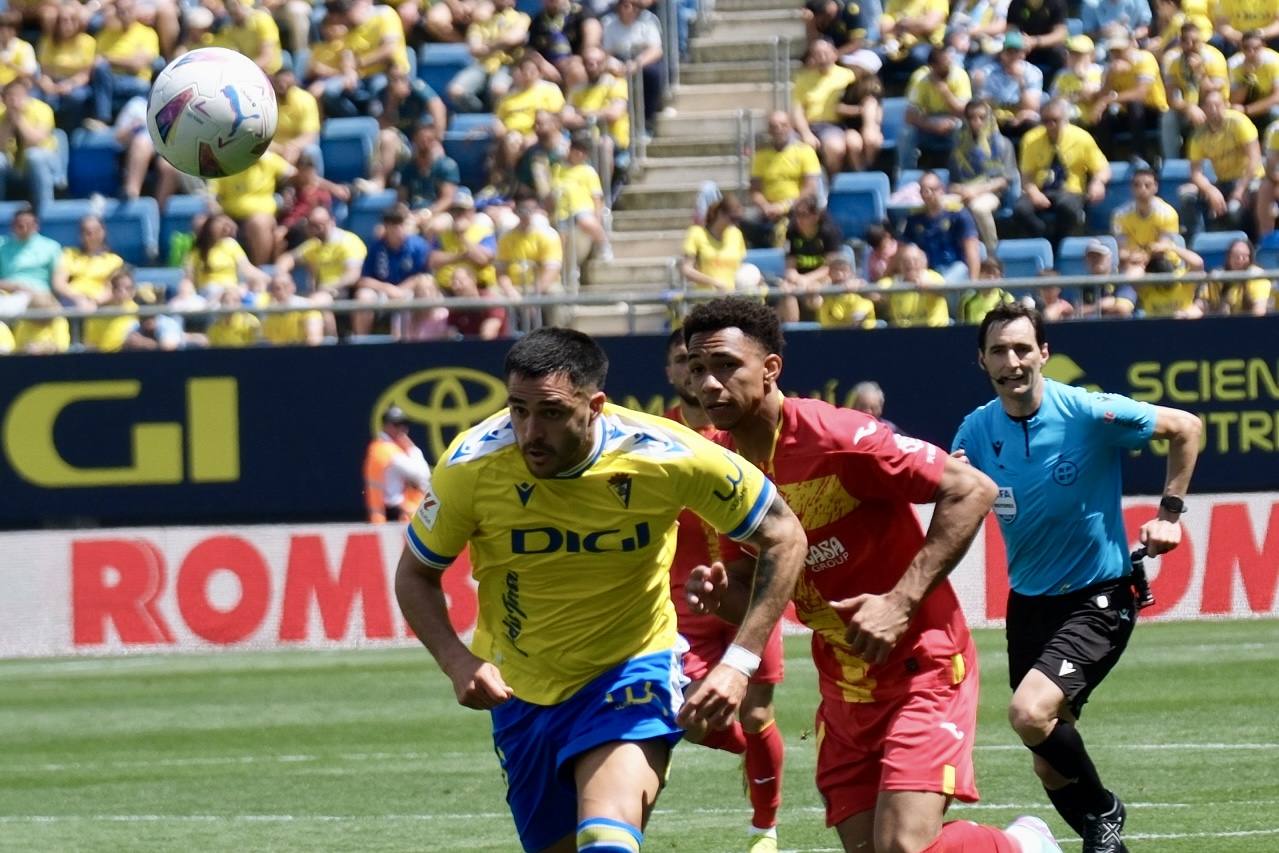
(1074, 639)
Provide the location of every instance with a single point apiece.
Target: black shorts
(1074, 639)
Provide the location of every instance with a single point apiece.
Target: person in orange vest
(395, 471)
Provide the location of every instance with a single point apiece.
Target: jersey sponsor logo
(513, 618)
(620, 485)
(826, 554)
(429, 509)
(906, 444)
(733, 482)
(1067, 668)
(1065, 472)
(864, 432)
(1005, 504)
(525, 491)
(550, 540)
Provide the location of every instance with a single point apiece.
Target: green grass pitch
(368, 751)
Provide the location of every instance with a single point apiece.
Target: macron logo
(1067, 668)
(953, 729)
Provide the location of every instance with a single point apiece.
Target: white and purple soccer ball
(212, 112)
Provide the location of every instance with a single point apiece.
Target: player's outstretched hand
(715, 701)
(875, 624)
(961, 455)
(1160, 536)
(705, 587)
(479, 685)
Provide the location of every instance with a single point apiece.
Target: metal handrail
(649, 297)
(639, 123)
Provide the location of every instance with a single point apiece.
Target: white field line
(232, 760)
(504, 816)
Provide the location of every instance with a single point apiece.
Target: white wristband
(741, 659)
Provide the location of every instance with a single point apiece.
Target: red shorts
(922, 741)
(709, 637)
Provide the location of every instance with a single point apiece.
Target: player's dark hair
(756, 320)
(1006, 314)
(674, 339)
(552, 350)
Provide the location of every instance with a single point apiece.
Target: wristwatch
(1173, 504)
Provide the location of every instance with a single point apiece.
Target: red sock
(764, 753)
(963, 836)
(731, 739)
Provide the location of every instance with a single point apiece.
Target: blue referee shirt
(1059, 480)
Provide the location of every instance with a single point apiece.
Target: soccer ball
(212, 112)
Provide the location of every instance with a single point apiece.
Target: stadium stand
(724, 69)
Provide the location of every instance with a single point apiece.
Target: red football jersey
(852, 481)
(696, 543)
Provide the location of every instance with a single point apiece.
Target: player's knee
(1032, 720)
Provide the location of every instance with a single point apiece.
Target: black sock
(1066, 802)
(1064, 751)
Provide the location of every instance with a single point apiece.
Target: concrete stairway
(730, 70)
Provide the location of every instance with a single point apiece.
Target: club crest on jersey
(620, 486)
(525, 491)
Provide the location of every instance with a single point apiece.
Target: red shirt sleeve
(880, 464)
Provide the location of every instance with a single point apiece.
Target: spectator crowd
(1116, 138)
(1118, 131)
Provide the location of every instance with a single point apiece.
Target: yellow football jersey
(1141, 232)
(573, 571)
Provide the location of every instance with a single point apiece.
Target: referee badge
(1006, 504)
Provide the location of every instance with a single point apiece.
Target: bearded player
(897, 668)
(755, 731)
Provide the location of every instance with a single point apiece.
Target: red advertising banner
(332, 586)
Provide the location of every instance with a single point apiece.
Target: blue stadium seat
(8, 209)
(471, 122)
(133, 229)
(1175, 173)
(164, 279)
(437, 64)
(1070, 255)
(94, 165)
(365, 213)
(858, 200)
(470, 149)
(177, 216)
(60, 221)
(893, 121)
(909, 176)
(771, 262)
(1267, 251)
(1212, 245)
(347, 145)
(1118, 191)
(1025, 258)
